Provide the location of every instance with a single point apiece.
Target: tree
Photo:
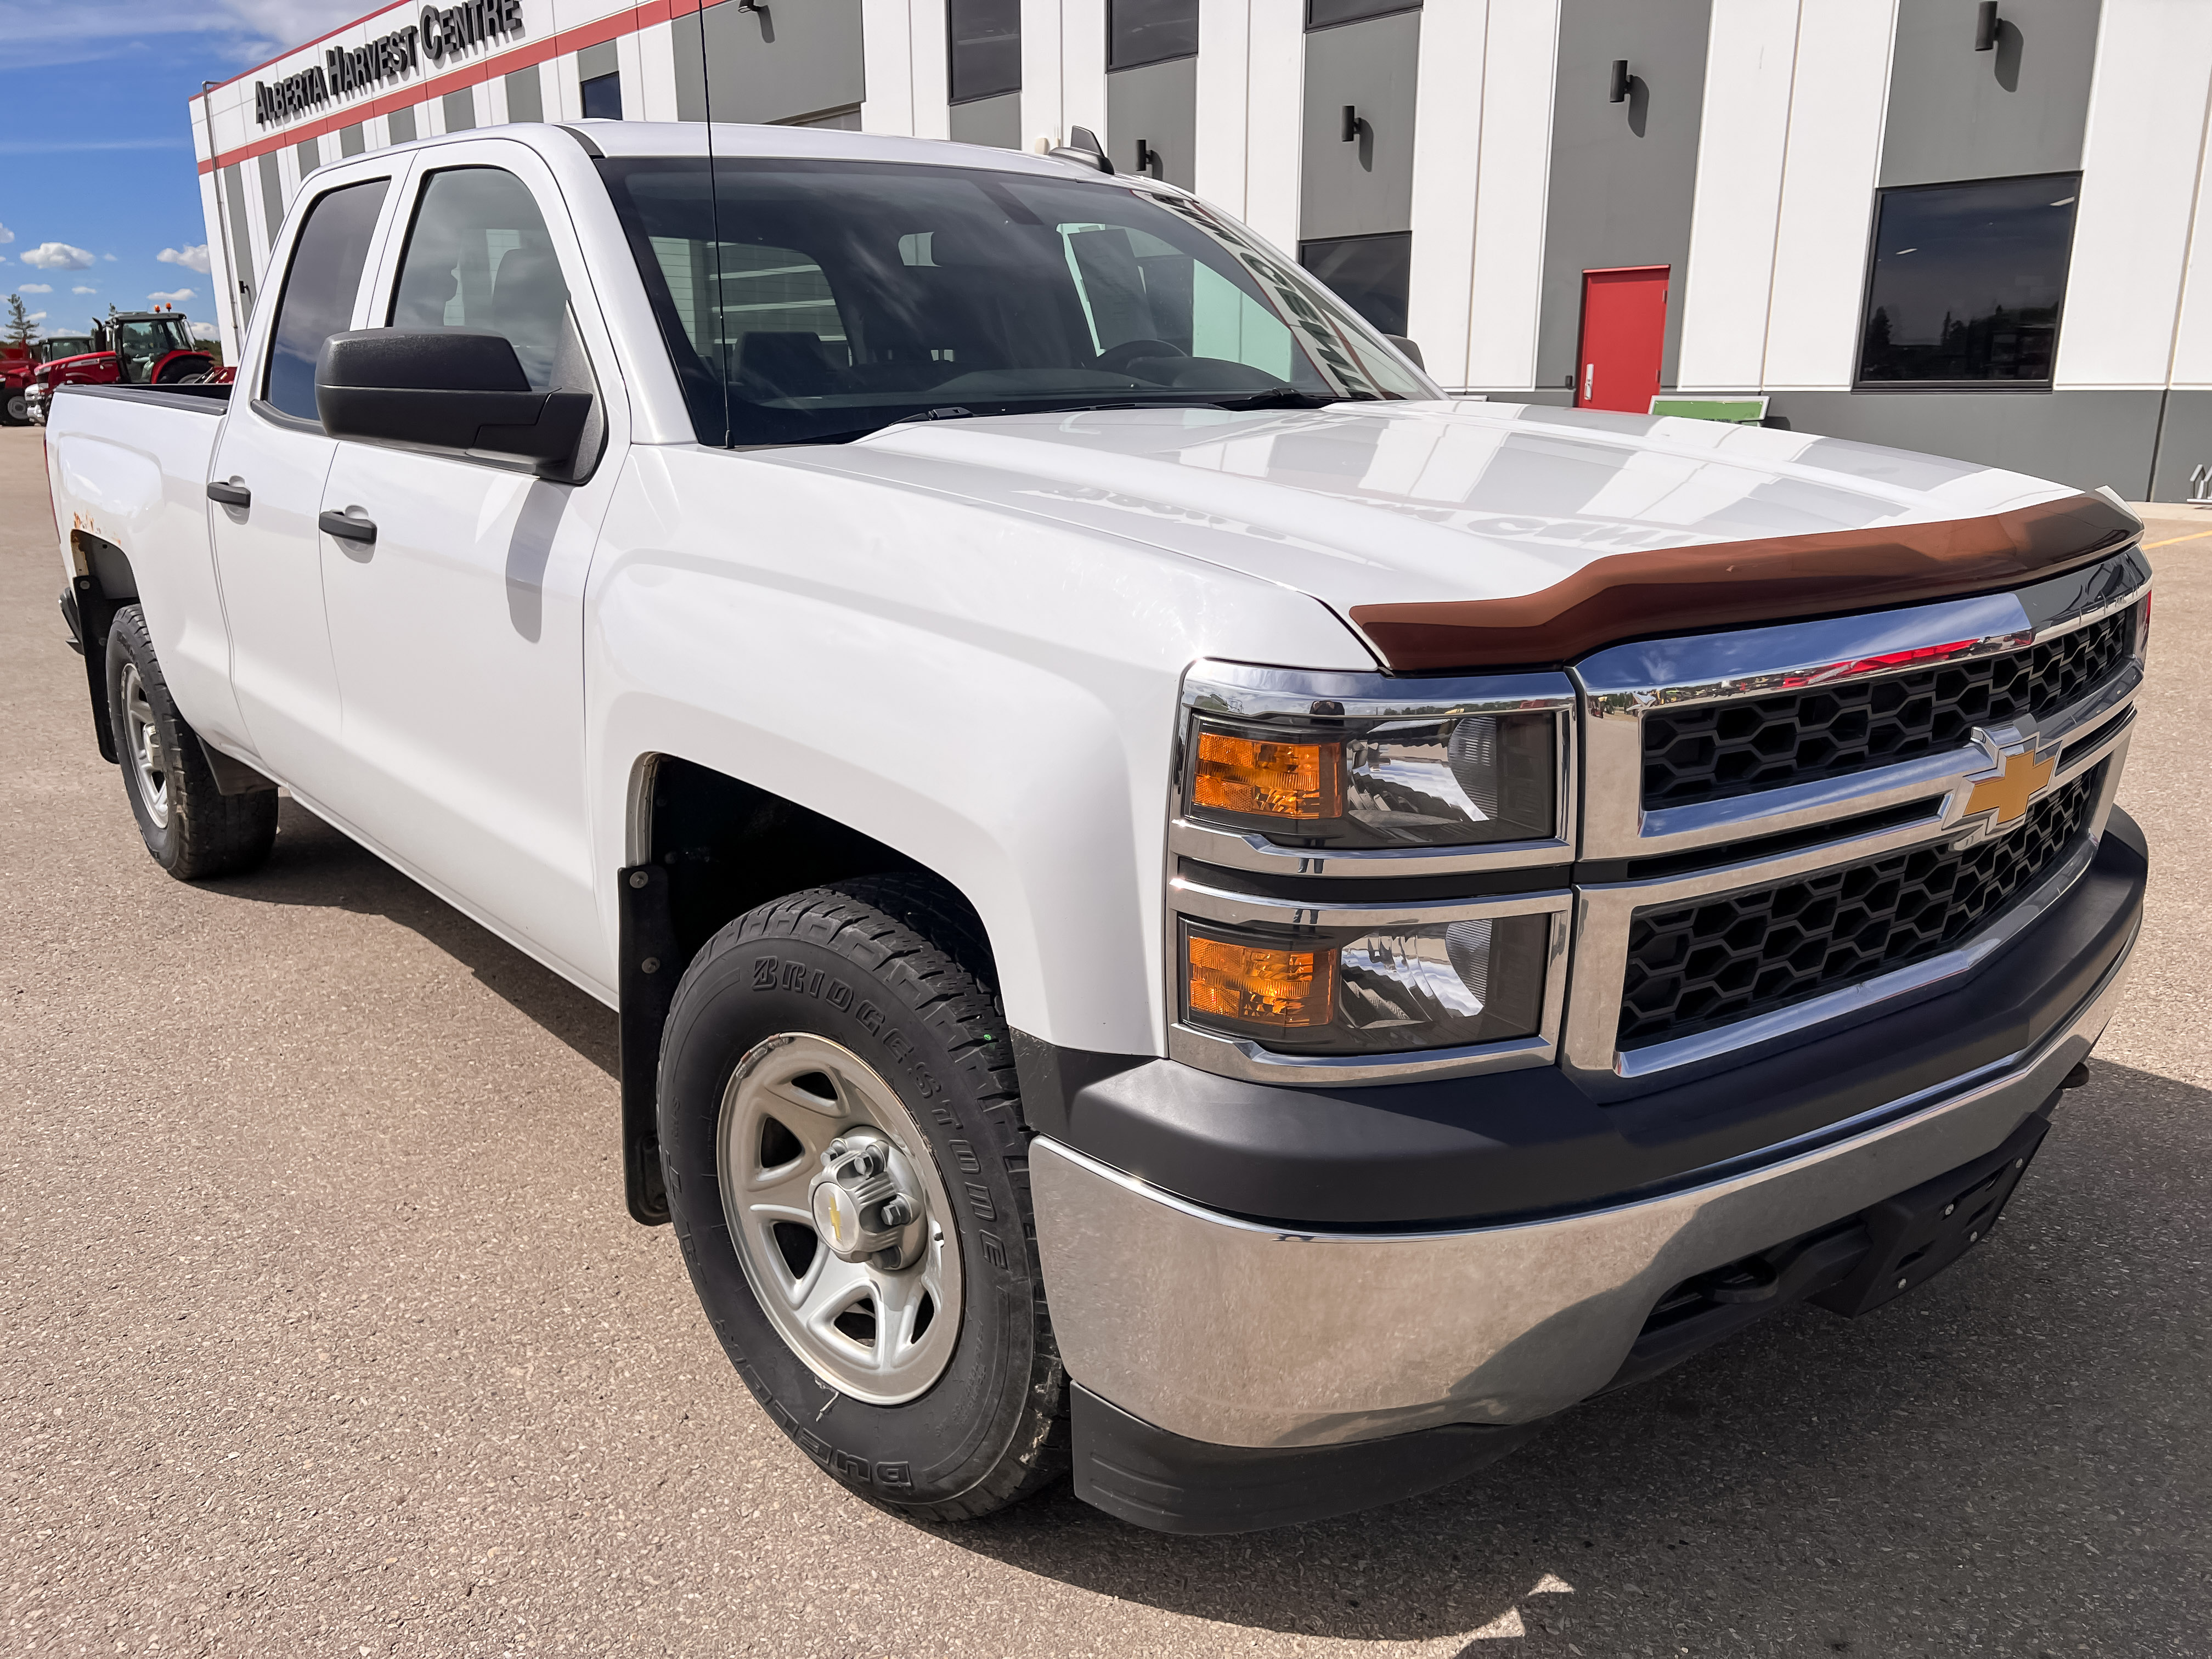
(19, 321)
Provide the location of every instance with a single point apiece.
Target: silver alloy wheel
(878, 1335)
(144, 738)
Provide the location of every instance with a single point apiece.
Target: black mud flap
(1916, 1235)
(90, 615)
(648, 983)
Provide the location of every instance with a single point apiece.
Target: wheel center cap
(863, 1202)
(837, 1218)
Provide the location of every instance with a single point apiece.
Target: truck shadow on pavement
(2013, 1457)
(316, 864)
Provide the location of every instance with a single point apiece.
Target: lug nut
(897, 1211)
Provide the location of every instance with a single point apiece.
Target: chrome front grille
(1881, 851)
(1713, 751)
(1697, 967)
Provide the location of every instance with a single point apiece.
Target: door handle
(347, 528)
(230, 495)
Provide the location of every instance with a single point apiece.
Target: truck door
(458, 630)
(266, 482)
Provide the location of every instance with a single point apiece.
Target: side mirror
(1407, 349)
(454, 390)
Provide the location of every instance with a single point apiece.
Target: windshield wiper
(1282, 397)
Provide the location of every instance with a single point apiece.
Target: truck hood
(1368, 504)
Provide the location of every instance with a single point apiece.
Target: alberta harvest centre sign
(443, 32)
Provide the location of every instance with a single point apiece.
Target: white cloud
(82, 288)
(110, 258)
(38, 288)
(36, 316)
(206, 331)
(58, 256)
(6, 234)
(194, 258)
(175, 296)
(35, 33)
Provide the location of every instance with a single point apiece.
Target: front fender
(990, 693)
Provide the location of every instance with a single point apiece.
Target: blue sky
(96, 175)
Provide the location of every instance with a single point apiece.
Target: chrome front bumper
(1229, 1332)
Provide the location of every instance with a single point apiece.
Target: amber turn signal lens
(1259, 778)
(1259, 987)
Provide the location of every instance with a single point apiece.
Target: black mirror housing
(452, 391)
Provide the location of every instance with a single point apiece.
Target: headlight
(1347, 782)
(1344, 991)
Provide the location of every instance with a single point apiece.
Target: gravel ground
(323, 1331)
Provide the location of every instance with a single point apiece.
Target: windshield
(816, 300)
(59, 346)
(140, 345)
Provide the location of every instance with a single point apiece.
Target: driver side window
(479, 256)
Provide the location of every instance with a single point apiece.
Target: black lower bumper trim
(1162, 1481)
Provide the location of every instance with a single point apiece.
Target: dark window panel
(1966, 281)
(603, 98)
(327, 261)
(1370, 274)
(460, 110)
(1327, 13)
(1149, 32)
(401, 124)
(525, 95)
(985, 47)
(311, 155)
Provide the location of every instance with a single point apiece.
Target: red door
(1623, 330)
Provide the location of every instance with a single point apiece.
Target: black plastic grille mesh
(1724, 959)
(1709, 751)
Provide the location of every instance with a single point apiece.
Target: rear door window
(320, 287)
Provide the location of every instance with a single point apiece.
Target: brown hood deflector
(1682, 590)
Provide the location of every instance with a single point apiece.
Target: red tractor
(134, 348)
(18, 362)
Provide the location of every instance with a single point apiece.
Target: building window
(985, 41)
(460, 110)
(1327, 13)
(603, 97)
(1370, 274)
(1966, 281)
(1140, 32)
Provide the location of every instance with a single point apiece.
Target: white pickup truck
(1183, 906)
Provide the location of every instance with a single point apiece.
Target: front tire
(16, 411)
(192, 830)
(923, 1376)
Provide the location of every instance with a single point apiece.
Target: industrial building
(1938, 224)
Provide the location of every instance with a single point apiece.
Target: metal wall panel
(460, 109)
(272, 197)
(1157, 103)
(400, 123)
(1956, 113)
(1624, 176)
(1364, 188)
(996, 121)
(2085, 439)
(783, 63)
(525, 95)
(243, 266)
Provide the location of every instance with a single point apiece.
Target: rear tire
(865, 983)
(16, 411)
(192, 830)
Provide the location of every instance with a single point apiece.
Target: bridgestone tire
(889, 968)
(207, 833)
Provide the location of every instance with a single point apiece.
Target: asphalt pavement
(322, 1330)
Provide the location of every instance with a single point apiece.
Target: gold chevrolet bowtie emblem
(2025, 776)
